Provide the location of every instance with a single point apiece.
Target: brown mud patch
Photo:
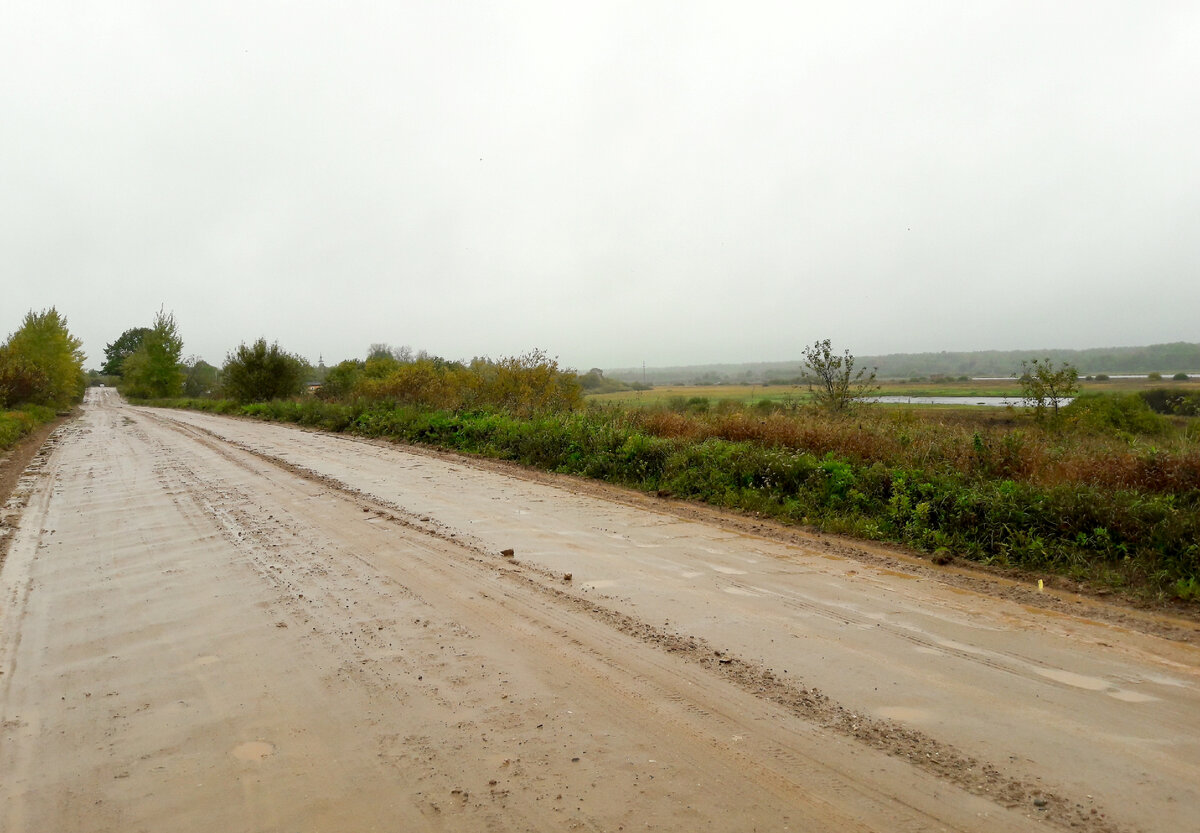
(14, 464)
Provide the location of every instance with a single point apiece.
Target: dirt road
(213, 624)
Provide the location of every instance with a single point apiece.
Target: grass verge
(19, 423)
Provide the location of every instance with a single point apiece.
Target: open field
(752, 394)
(212, 623)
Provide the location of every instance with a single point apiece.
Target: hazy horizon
(614, 183)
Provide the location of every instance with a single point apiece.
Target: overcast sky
(613, 182)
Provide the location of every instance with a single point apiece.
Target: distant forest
(1168, 359)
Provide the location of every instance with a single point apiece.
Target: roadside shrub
(1123, 414)
(425, 382)
(529, 384)
(525, 385)
(341, 380)
(260, 373)
(16, 424)
(21, 380)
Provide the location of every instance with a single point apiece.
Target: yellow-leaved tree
(42, 363)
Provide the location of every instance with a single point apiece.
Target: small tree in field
(837, 386)
(1044, 386)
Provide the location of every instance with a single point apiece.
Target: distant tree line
(1168, 359)
(147, 364)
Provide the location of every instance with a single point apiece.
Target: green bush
(260, 372)
(16, 424)
(1125, 414)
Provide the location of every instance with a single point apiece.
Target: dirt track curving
(214, 624)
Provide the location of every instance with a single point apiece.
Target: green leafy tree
(124, 347)
(200, 378)
(341, 381)
(258, 373)
(153, 370)
(21, 381)
(1044, 387)
(42, 363)
(834, 383)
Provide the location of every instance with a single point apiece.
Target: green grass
(21, 422)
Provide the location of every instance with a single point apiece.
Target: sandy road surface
(212, 624)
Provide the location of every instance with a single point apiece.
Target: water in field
(988, 401)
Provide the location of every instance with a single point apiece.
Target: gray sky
(614, 182)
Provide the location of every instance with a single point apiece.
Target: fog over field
(615, 182)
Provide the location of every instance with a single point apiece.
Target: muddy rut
(212, 624)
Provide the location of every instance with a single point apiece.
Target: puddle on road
(729, 571)
(1072, 679)
(1130, 696)
(255, 750)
